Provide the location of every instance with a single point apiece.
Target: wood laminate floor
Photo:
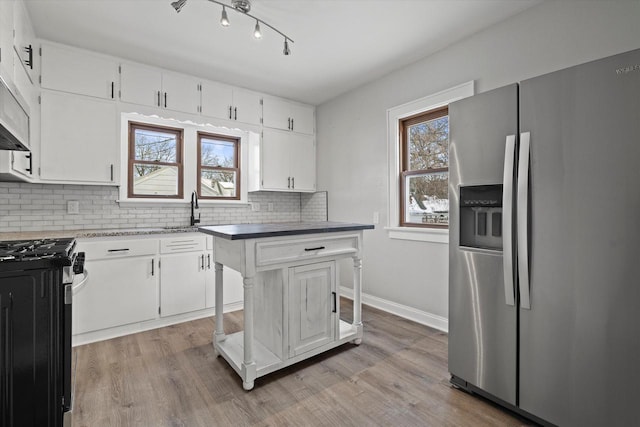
(170, 377)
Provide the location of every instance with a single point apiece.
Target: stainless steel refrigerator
(544, 269)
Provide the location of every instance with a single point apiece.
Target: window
(424, 169)
(155, 162)
(218, 167)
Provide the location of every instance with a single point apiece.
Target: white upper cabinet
(226, 102)
(287, 162)
(150, 86)
(6, 40)
(24, 41)
(287, 115)
(80, 72)
(79, 139)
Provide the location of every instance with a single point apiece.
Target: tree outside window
(424, 180)
(155, 161)
(218, 167)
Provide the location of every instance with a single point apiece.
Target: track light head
(224, 20)
(256, 32)
(178, 4)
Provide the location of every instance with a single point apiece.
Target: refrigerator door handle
(522, 219)
(507, 220)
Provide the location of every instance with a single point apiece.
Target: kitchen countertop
(254, 231)
(113, 232)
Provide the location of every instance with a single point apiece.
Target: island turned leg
(218, 335)
(249, 364)
(357, 299)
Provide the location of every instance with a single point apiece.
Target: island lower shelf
(232, 350)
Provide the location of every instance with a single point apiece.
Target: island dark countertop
(254, 231)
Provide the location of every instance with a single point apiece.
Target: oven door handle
(74, 289)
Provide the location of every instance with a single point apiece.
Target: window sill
(432, 235)
(135, 203)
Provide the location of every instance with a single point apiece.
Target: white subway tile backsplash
(33, 207)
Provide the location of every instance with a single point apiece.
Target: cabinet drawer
(182, 244)
(282, 251)
(118, 248)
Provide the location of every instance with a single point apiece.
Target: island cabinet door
(312, 306)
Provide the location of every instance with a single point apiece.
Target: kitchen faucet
(194, 206)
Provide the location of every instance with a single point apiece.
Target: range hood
(14, 121)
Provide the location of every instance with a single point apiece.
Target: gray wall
(352, 130)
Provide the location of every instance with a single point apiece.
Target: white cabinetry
(121, 287)
(152, 87)
(183, 264)
(24, 41)
(287, 115)
(79, 139)
(6, 39)
(313, 319)
(287, 162)
(226, 102)
(77, 71)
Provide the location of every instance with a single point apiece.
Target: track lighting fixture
(243, 7)
(224, 20)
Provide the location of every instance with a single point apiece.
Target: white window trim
(189, 161)
(394, 115)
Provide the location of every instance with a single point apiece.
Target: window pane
(429, 144)
(155, 145)
(218, 153)
(218, 184)
(155, 180)
(427, 199)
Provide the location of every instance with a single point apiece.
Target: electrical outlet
(73, 207)
(255, 207)
(270, 207)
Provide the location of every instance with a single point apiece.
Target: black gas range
(36, 279)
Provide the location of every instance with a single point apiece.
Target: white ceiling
(339, 44)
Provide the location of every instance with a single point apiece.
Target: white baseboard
(413, 314)
(118, 331)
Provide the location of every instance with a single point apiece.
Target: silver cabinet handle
(118, 250)
(229, 112)
(522, 219)
(289, 123)
(158, 98)
(235, 113)
(165, 100)
(209, 261)
(153, 264)
(111, 172)
(202, 261)
(507, 220)
(289, 182)
(292, 123)
(293, 182)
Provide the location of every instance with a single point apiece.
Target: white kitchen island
(291, 300)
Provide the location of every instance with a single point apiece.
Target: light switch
(376, 217)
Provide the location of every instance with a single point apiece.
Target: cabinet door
(6, 40)
(312, 310)
(117, 292)
(78, 72)
(140, 85)
(22, 163)
(276, 113)
(303, 119)
(246, 106)
(79, 139)
(217, 100)
(180, 93)
(24, 38)
(182, 283)
(275, 160)
(302, 150)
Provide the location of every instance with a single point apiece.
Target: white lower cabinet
(183, 264)
(182, 283)
(121, 287)
(313, 318)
